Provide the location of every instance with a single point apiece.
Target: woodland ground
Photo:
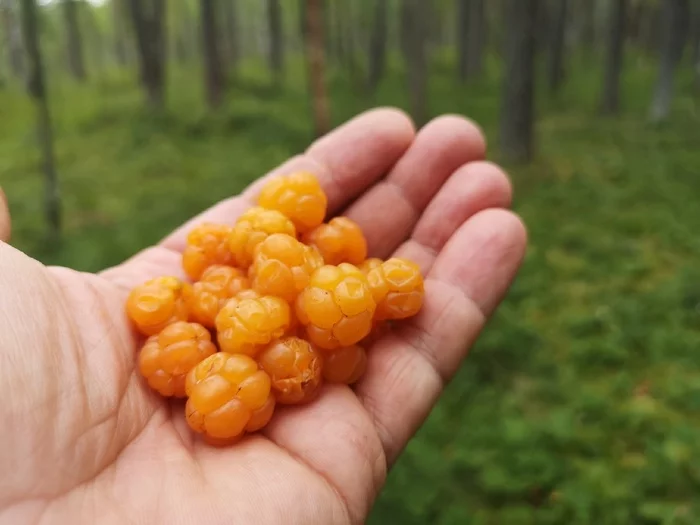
(580, 404)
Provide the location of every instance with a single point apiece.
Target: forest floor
(580, 404)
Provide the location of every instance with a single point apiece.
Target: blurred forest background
(581, 404)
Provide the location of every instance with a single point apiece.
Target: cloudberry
(339, 240)
(370, 264)
(244, 326)
(157, 303)
(397, 288)
(336, 307)
(216, 286)
(282, 266)
(253, 227)
(345, 365)
(166, 358)
(299, 196)
(295, 368)
(207, 245)
(228, 395)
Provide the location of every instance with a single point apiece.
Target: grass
(580, 404)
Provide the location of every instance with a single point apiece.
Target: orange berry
(397, 288)
(345, 365)
(207, 245)
(336, 307)
(299, 196)
(157, 303)
(295, 368)
(370, 264)
(217, 285)
(166, 358)
(248, 293)
(339, 240)
(282, 266)
(253, 227)
(244, 326)
(228, 395)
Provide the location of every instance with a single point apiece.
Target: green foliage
(580, 404)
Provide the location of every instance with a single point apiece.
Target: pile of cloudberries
(274, 306)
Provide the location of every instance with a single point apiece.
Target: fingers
(389, 211)
(5, 224)
(474, 187)
(347, 161)
(408, 368)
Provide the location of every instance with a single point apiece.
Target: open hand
(84, 440)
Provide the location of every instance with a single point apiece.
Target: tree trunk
(120, 33)
(414, 29)
(377, 53)
(316, 66)
(148, 19)
(463, 12)
(558, 44)
(213, 70)
(610, 102)
(37, 90)
(695, 48)
(676, 14)
(276, 51)
(76, 60)
(588, 26)
(13, 38)
(477, 38)
(231, 32)
(518, 106)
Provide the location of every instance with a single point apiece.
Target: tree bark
(13, 38)
(463, 12)
(377, 54)
(148, 19)
(518, 106)
(477, 38)
(676, 14)
(610, 102)
(231, 32)
(37, 90)
(121, 52)
(588, 26)
(276, 50)
(316, 66)
(558, 45)
(414, 36)
(76, 60)
(213, 67)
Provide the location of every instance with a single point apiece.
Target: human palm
(85, 441)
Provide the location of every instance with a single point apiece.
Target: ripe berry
(207, 245)
(228, 395)
(299, 196)
(244, 326)
(397, 288)
(370, 264)
(295, 368)
(336, 307)
(166, 358)
(345, 365)
(339, 240)
(216, 286)
(157, 303)
(282, 266)
(253, 227)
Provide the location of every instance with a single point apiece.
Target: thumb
(5, 226)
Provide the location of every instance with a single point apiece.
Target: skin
(85, 441)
